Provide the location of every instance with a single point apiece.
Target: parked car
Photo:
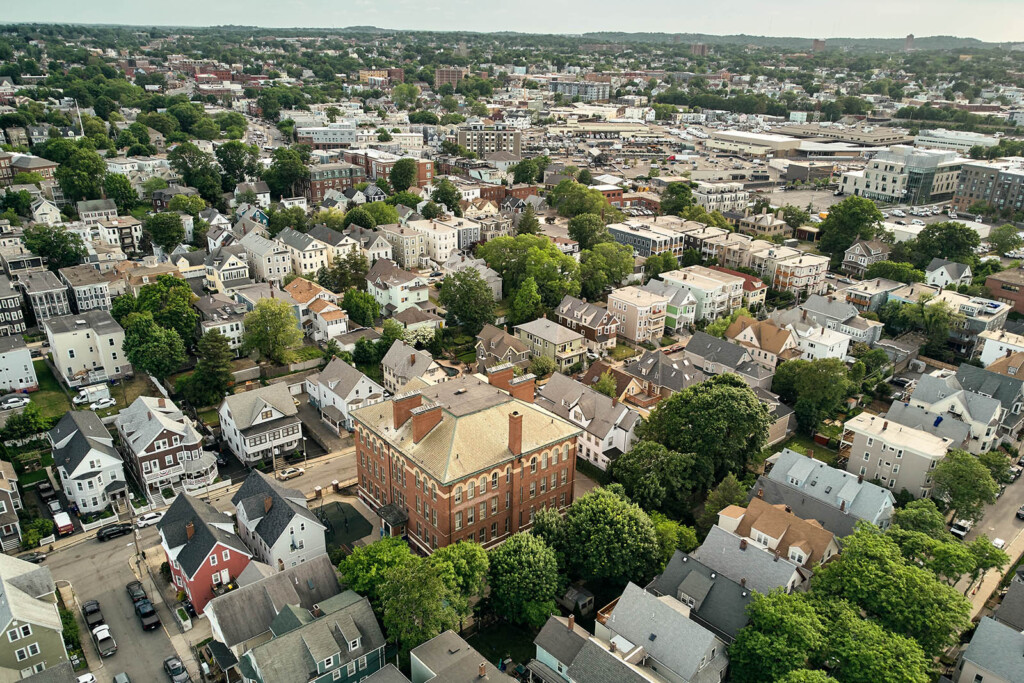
(290, 473)
(961, 527)
(113, 531)
(147, 615)
(917, 221)
(45, 490)
(35, 557)
(14, 401)
(102, 404)
(122, 678)
(92, 613)
(899, 212)
(54, 506)
(148, 519)
(1020, 512)
(175, 670)
(136, 592)
(999, 543)
(86, 678)
(105, 643)
(1015, 473)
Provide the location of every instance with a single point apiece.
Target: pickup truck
(105, 644)
(147, 615)
(93, 615)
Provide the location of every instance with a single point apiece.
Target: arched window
(494, 480)
(544, 461)
(470, 490)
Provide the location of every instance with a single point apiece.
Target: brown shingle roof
(792, 531)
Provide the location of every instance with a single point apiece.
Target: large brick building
(463, 460)
(378, 164)
(326, 177)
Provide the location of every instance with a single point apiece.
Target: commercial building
(956, 140)
(760, 145)
(449, 75)
(378, 164)
(999, 184)
(332, 136)
(484, 139)
(586, 91)
(904, 174)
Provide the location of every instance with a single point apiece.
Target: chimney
(515, 433)
(1009, 353)
(860, 478)
(424, 419)
(483, 669)
(789, 508)
(743, 582)
(500, 376)
(842, 506)
(612, 647)
(776, 557)
(885, 425)
(412, 359)
(760, 493)
(523, 388)
(743, 544)
(162, 402)
(268, 502)
(615, 401)
(803, 314)
(317, 612)
(190, 530)
(572, 621)
(403, 405)
(810, 452)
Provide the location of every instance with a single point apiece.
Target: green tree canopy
(212, 377)
(365, 570)
(523, 576)
(417, 604)
(272, 330)
(54, 243)
(81, 175)
(851, 219)
(361, 307)
(659, 479)
(151, 348)
(404, 174)
(528, 223)
(468, 300)
(588, 230)
(676, 198)
(895, 270)
(966, 484)
(118, 188)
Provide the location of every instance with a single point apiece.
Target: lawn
(622, 352)
(211, 418)
(501, 640)
(801, 443)
(126, 391)
(51, 399)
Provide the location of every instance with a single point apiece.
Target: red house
(201, 548)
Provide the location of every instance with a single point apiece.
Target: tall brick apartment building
(463, 460)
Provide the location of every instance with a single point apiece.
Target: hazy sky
(991, 20)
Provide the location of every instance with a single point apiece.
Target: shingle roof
(453, 660)
(387, 274)
(705, 346)
(1006, 390)
(954, 270)
(791, 531)
(586, 313)
(549, 330)
(1011, 609)
(285, 504)
(920, 418)
(298, 240)
(246, 406)
(556, 639)
(997, 648)
(563, 395)
(400, 358)
(340, 378)
(976, 407)
(87, 433)
(388, 674)
(662, 371)
(760, 569)
(723, 609)
(594, 664)
(210, 527)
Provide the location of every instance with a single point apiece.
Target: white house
(259, 189)
(395, 289)
(45, 211)
(260, 424)
(16, 370)
(86, 347)
(274, 523)
(339, 389)
(942, 273)
(308, 254)
(90, 468)
(269, 260)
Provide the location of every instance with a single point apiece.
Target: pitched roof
(594, 664)
(304, 291)
(750, 565)
(1006, 390)
(791, 531)
(584, 312)
(497, 341)
(997, 648)
(341, 378)
(549, 330)
(559, 640)
(663, 371)
(23, 590)
(405, 361)
(598, 368)
(1011, 609)
(246, 406)
(385, 273)
(210, 527)
(299, 241)
(710, 348)
(452, 660)
(1010, 365)
(563, 396)
(767, 334)
(327, 235)
(285, 504)
(927, 421)
(977, 407)
(954, 270)
(87, 434)
(148, 417)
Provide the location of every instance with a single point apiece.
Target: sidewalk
(981, 592)
(67, 594)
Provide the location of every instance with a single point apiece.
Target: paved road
(1000, 520)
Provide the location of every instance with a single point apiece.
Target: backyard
(801, 443)
(344, 524)
(51, 398)
(502, 639)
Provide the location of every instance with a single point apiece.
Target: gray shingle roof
(931, 389)
(549, 330)
(561, 395)
(453, 660)
(286, 504)
(997, 648)
(87, 433)
(341, 378)
(586, 313)
(297, 240)
(954, 270)
(721, 552)
(594, 664)
(209, 527)
(389, 674)
(1011, 609)
(246, 407)
(705, 346)
(662, 371)
(561, 643)
(326, 235)
(1006, 390)
(940, 425)
(400, 359)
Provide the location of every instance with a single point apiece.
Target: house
(994, 655)
(716, 356)
(319, 313)
(627, 388)
(17, 373)
(816, 341)
(373, 245)
(834, 314)
(372, 193)
(87, 347)
(999, 344)
(260, 424)
(30, 619)
(339, 245)
(163, 447)
(46, 295)
(1006, 389)
(766, 342)
(339, 389)
(126, 232)
(269, 260)
(860, 255)
(10, 503)
(12, 320)
(608, 426)
(495, 346)
(457, 263)
(225, 268)
(656, 633)
(138, 274)
(943, 394)
(258, 189)
(547, 338)
(979, 314)
(659, 376)
(775, 527)
(339, 639)
(201, 548)
(640, 312)
(17, 260)
(45, 211)
(899, 456)
(89, 288)
(218, 312)
(95, 210)
(943, 273)
(681, 308)
(751, 566)
(402, 363)
(450, 659)
(308, 254)
(396, 289)
(275, 524)
(408, 246)
(813, 490)
(241, 619)
(597, 324)
(764, 224)
(90, 468)
(870, 295)
(470, 446)
(716, 293)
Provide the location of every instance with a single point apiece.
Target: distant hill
(787, 42)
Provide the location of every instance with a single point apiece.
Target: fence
(99, 523)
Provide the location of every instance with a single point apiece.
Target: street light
(304, 451)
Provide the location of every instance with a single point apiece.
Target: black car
(45, 490)
(147, 615)
(1020, 512)
(113, 531)
(35, 557)
(93, 615)
(136, 591)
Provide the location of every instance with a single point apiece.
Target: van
(961, 527)
(64, 525)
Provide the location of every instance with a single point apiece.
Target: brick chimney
(760, 493)
(403, 405)
(789, 508)
(190, 530)
(268, 503)
(515, 433)
(316, 611)
(483, 670)
(572, 621)
(743, 544)
(162, 402)
(501, 375)
(523, 387)
(424, 419)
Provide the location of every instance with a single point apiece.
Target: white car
(148, 519)
(14, 401)
(999, 543)
(102, 404)
(86, 678)
(917, 221)
(899, 213)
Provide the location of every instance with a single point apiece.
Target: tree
(861, 650)
(526, 305)
(463, 568)
(672, 536)
(935, 319)
(431, 210)
(851, 219)
(677, 196)
(361, 217)
(784, 633)
(656, 264)
(588, 230)
(585, 177)
(187, 203)
(966, 484)
(166, 230)
(572, 199)
(542, 366)
(446, 193)
(153, 184)
(608, 538)
(656, 478)
(795, 216)
(57, 245)
(949, 240)
(606, 384)
(523, 576)
(404, 174)
(922, 516)
(720, 419)
(118, 188)
(468, 301)
(604, 266)
(893, 270)
(237, 161)
(212, 377)
(998, 464)
(271, 330)
(365, 570)
(1004, 239)
(528, 223)
(197, 169)
(169, 300)
(404, 94)
(382, 213)
(417, 605)
(28, 422)
(728, 492)
(346, 272)
(81, 176)
(819, 385)
(150, 348)
(285, 171)
(361, 307)
(525, 172)
(806, 676)
(723, 323)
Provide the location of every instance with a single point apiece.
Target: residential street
(1000, 521)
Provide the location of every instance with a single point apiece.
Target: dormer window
(266, 414)
(353, 644)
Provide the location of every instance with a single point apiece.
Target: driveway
(312, 424)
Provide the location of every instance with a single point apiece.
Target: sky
(988, 20)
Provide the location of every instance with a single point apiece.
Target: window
(13, 635)
(458, 494)
(213, 560)
(494, 480)
(533, 465)
(470, 515)
(26, 631)
(458, 521)
(20, 655)
(225, 555)
(533, 489)
(471, 490)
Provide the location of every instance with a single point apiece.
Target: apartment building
(31, 622)
(980, 314)
(1007, 287)
(47, 296)
(408, 246)
(596, 323)
(755, 291)
(862, 254)
(308, 254)
(943, 394)
(126, 232)
(332, 136)
(90, 468)
(378, 164)
(95, 210)
(764, 224)
(998, 344)
(586, 91)
(261, 424)
(325, 177)
(17, 373)
(89, 288)
(640, 312)
(766, 342)
(12, 320)
(10, 504)
(371, 242)
(463, 461)
(716, 293)
(898, 456)
(680, 309)
(440, 240)
(275, 523)
(218, 312)
(721, 197)
(647, 238)
(870, 295)
(998, 183)
(339, 245)
(547, 338)
(904, 174)
(791, 270)
(449, 75)
(487, 139)
(269, 260)
(86, 347)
